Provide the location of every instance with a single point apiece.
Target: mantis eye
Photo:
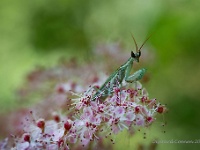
(132, 54)
(139, 53)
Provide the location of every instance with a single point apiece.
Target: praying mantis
(122, 73)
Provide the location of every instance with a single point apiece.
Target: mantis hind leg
(136, 76)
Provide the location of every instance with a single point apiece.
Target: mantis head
(137, 55)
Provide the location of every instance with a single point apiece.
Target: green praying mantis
(122, 73)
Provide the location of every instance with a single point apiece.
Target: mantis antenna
(138, 50)
(136, 46)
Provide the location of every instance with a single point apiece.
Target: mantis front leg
(134, 77)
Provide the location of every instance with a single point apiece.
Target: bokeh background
(39, 33)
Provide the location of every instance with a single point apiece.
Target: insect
(122, 73)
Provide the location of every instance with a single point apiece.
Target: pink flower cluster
(87, 122)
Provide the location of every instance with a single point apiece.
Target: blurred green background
(40, 32)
